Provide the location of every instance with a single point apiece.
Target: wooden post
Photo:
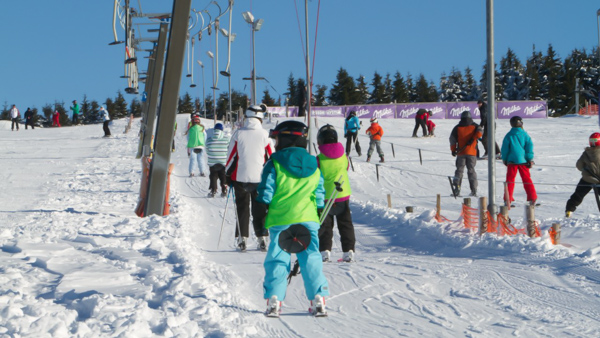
(377, 170)
(555, 232)
(393, 152)
(504, 211)
(438, 206)
(409, 209)
(420, 157)
(389, 196)
(506, 197)
(530, 213)
(467, 201)
(483, 221)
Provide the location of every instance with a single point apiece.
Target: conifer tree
(473, 93)
(135, 107)
(511, 77)
(320, 95)
(267, 99)
(400, 92)
(362, 91)
(120, 106)
(378, 93)
(552, 78)
(292, 91)
(186, 106)
(343, 91)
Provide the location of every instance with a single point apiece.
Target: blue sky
(58, 50)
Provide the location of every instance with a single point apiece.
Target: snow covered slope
(76, 261)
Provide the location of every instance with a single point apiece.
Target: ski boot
(568, 214)
(473, 193)
(211, 194)
(273, 307)
(326, 256)
(348, 256)
(241, 243)
(381, 160)
(369, 159)
(262, 244)
(317, 307)
(224, 194)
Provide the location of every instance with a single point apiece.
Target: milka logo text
(509, 110)
(383, 112)
(329, 112)
(532, 110)
(458, 110)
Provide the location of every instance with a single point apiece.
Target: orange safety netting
(470, 217)
(553, 234)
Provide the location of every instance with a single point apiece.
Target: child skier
(196, 137)
(216, 149)
(351, 128)
(517, 155)
(375, 132)
(334, 164)
(430, 124)
(292, 186)
(463, 144)
(589, 165)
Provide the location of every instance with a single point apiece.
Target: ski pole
(224, 213)
(237, 218)
(331, 201)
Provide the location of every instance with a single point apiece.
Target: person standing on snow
(375, 133)
(29, 118)
(75, 109)
(351, 128)
(292, 186)
(248, 151)
(589, 165)
(463, 144)
(482, 107)
(105, 121)
(430, 124)
(216, 149)
(334, 164)
(195, 146)
(56, 119)
(517, 155)
(420, 121)
(15, 115)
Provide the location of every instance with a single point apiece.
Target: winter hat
(465, 114)
(218, 126)
(373, 120)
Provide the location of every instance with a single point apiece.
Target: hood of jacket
(297, 161)
(332, 150)
(217, 134)
(252, 123)
(465, 121)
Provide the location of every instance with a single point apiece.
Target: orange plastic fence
(552, 233)
(470, 217)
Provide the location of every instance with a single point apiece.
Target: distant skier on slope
(375, 133)
(421, 121)
(334, 164)
(196, 140)
(105, 121)
(292, 187)
(463, 144)
(75, 108)
(430, 124)
(216, 150)
(517, 155)
(589, 165)
(351, 128)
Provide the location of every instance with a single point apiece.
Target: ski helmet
(373, 120)
(290, 134)
(595, 140)
(196, 118)
(256, 111)
(516, 122)
(465, 114)
(327, 134)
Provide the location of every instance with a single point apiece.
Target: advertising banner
(524, 109)
(456, 108)
(380, 111)
(409, 110)
(328, 111)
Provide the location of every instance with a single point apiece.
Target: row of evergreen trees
(542, 77)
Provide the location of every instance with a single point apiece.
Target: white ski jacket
(249, 149)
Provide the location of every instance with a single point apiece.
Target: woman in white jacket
(106, 118)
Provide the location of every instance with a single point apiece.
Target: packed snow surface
(77, 261)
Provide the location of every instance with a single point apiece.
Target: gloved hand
(319, 211)
(529, 164)
(228, 180)
(454, 153)
(506, 164)
(346, 135)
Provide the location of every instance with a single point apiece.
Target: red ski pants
(511, 174)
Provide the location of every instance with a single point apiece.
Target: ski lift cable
(300, 29)
(312, 72)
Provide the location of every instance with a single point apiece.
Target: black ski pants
(583, 188)
(245, 201)
(352, 138)
(29, 122)
(484, 141)
(14, 122)
(105, 128)
(341, 211)
(420, 123)
(217, 173)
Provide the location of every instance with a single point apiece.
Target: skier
(517, 155)
(430, 124)
(463, 144)
(56, 119)
(248, 150)
(351, 128)
(334, 164)
(216, 149)
(482, 107)
(420, 121)
(106, 120)
(196, 137)
(29, 118)
(75, 109)
(292, 186)
(589, 165)
(375, 133)
(15, 115)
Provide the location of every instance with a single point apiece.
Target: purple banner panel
(456, 108)
(380, 111)
(524, 109)
(328, 111)
(281, 111)
(409, 110)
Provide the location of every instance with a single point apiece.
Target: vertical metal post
(576, 95)
(157, 180)
(598, 91)
(253, 67)
(145, 105)
(491, 122)
(308, 82)
(153, 95)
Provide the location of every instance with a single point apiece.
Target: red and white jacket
(250, 147)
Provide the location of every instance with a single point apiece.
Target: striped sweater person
(216, 149)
